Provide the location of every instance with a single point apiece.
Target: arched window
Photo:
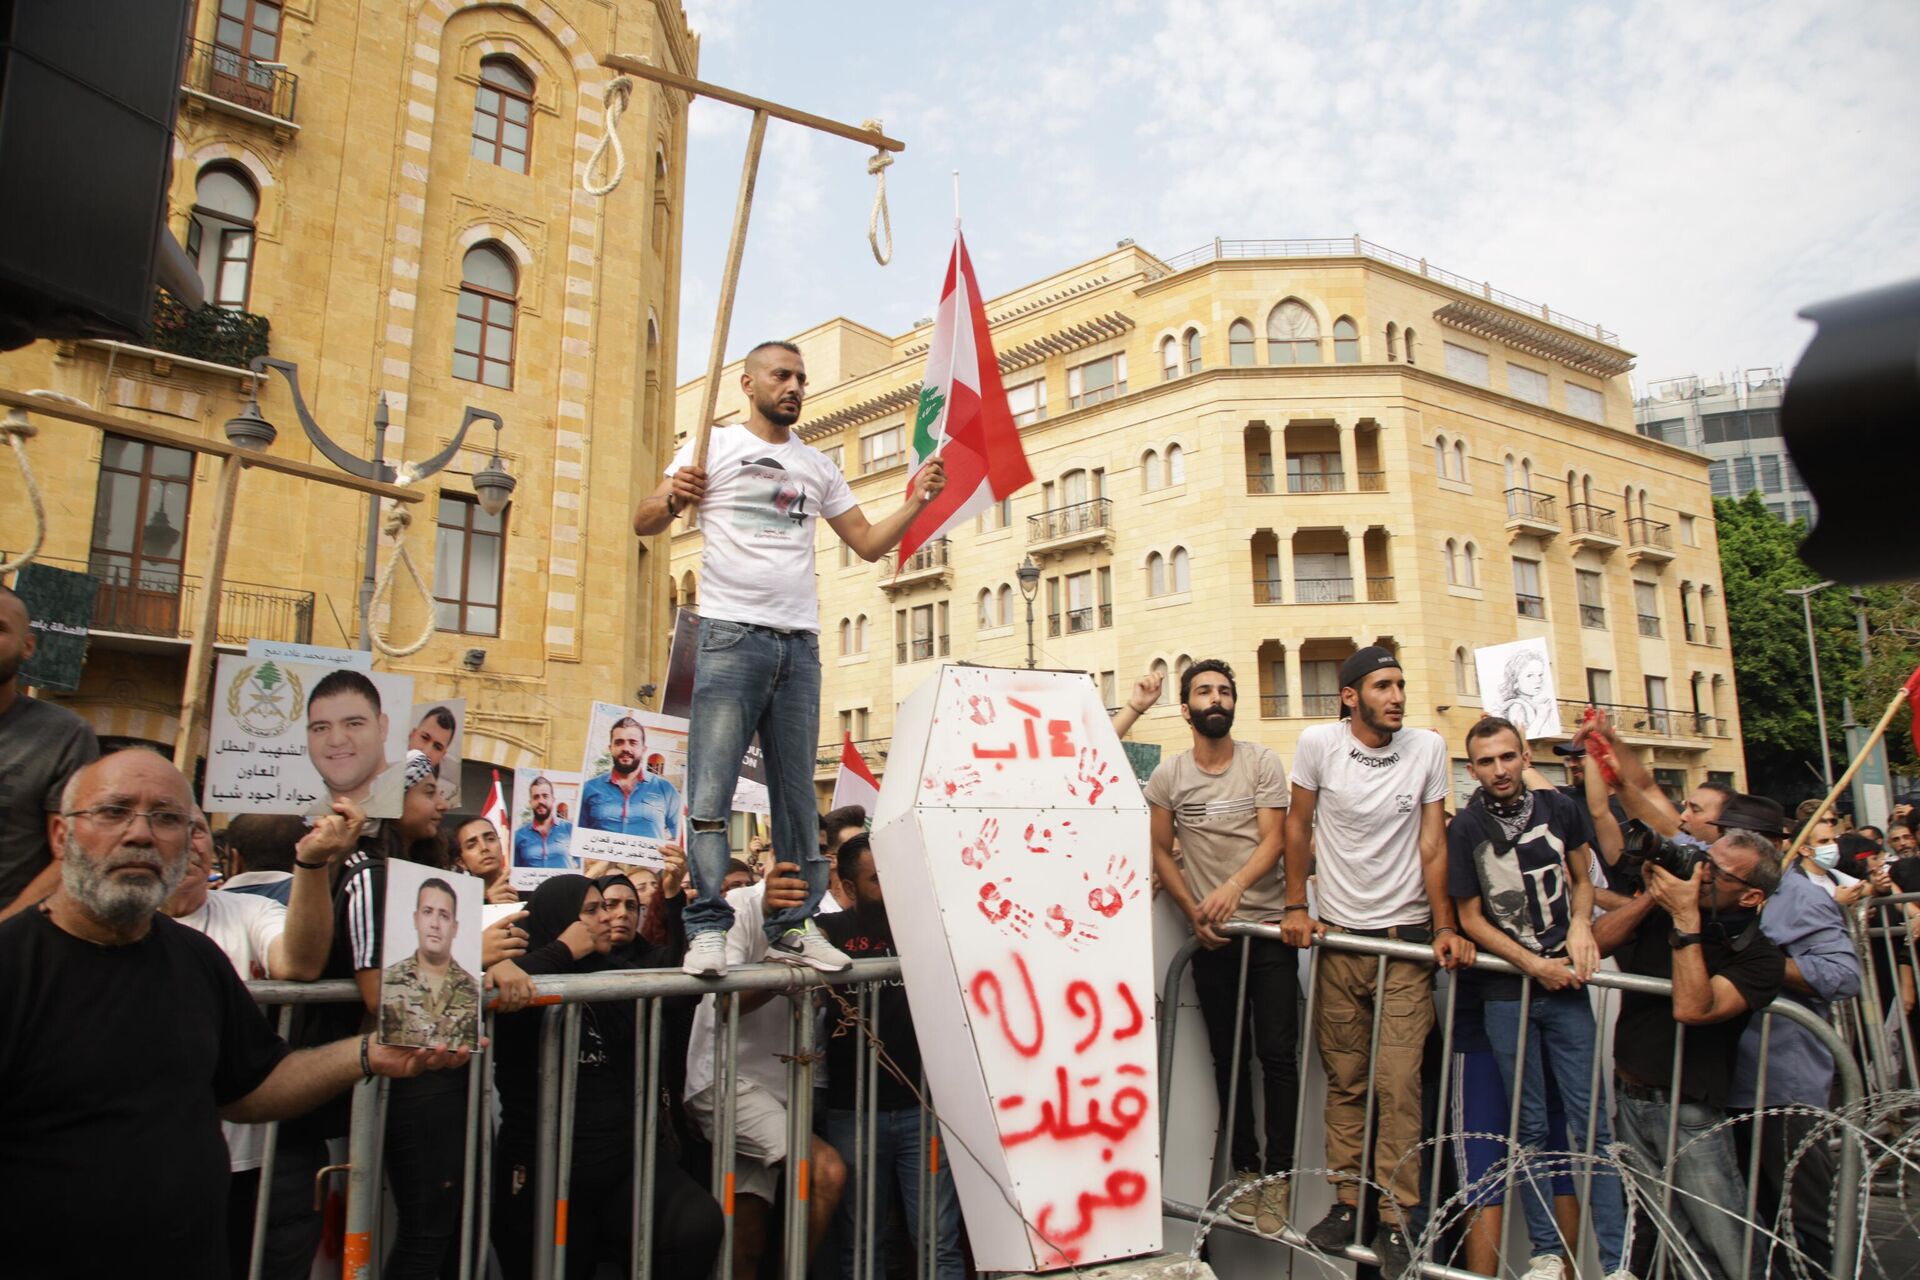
(1507, 472)
(1176, 464)
(1193, 351)
(1150, 471)
(1409, 336)
(1460, 461)
(1180, 666)
(1462, 671)
(860, 634)
(689, 593)
(1440, 456)
(985, 619)
(1240, 343)
(220, 237)
(1156, 574)
(1179, 575)
(846, 635)
(483, 333)
(1346, 342)
(1006, 604)
(503, 114)
(1393, 336)
(1293, 335)
(1451, 551)
(1573, 489)
(1469, 576)
(1159, 668)
(1526, 473)
(1169, 360)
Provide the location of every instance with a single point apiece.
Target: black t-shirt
(42, 745)
(114, 1062)
(1523, 885)
(1643, 1039)
(866, 934)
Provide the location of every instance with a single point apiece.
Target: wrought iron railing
(1529, 606)
(216, 334)
(1320, 704)
(919, 650)
(1322, 590)
(231, 76)
(161, 602)
(1321, 482)
(1373, 482)
(1273, 706)
(930, 557)
(1589, 519)
(1266, 591)
(1594, 616)
(1649, 624)
(1069, 521)
(1649, 533)
(1527, 504)
(1379, 588)
(1260, 482)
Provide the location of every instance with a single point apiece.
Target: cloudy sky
(1688, 174)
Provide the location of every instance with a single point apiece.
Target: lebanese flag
(962, 415)
(856, 783)
(496, 812)
(1913, 705)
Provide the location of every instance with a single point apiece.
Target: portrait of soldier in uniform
(427, 999)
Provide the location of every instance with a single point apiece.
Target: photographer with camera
(1697, 924)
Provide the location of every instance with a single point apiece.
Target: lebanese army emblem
(265, 700)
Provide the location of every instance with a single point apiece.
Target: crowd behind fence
(1872, 1057)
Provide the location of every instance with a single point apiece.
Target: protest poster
(288, 737)
(288, 651)
(438, 728)
(634, 778)
(430, 958)
(750, 793)
(61, 603)
(544, 805)
(1516, 682)
(1012, 839)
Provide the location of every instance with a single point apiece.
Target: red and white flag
(856, 783)
(963, 415)
(497, 813)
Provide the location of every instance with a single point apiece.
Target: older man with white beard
(126, 1037)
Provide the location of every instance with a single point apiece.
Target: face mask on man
(1826, 856)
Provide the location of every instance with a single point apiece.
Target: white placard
(542, 844)
(317, 655)
(265, 755)
(633, 786)
(430, 958)
(1516, 682)
(1012, 842)
(440, 730)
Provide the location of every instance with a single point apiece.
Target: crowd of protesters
(137, 1074)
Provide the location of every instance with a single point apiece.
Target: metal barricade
(558, 1004)
(1847, 1216)
(1883, 938)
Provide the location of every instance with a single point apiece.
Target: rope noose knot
(18, 429)
(396, 523)
(877, 164)
(616, 96)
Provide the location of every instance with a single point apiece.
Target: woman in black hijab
(568, 933)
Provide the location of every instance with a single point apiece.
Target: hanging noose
(18, 430)
(616, 96)
(398, 520)
(879, 220)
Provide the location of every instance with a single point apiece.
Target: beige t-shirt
(1216, 817)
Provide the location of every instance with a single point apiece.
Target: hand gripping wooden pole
(743, 205)
(1894, 704)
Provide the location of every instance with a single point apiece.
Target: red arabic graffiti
(986, 983)
(1124, 1189)
(1126, 1109)
(1042, 736)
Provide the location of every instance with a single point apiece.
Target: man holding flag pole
(759, 666)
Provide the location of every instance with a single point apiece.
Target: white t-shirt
(757, 519)
(1366, 821)
(245, 926)
(763, 1031)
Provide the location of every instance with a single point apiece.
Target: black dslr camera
(1642, 845)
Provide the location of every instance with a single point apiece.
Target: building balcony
(1532, 512)
(1320, 706)
(1650, 625)
(1699, 634)
(1669, 725)
(1649, 540)
(1273, 706)
(1373, 482)
(229, 76)
(1323, 590)
(1317, 482)
(1593, 617)
(1078, 524)
(207, 332)
(1592, 527)
(1078, 621)
(930, 564)
(1266, 591)
(921, 649)
(826, 761)
(163, 605)
(1529, 606)
(1379, 588)
(1260, 482)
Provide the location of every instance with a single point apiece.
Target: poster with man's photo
(545, 803)
(438, 729)
(1516, 682)
(633, 786)
(676, 699)
(290, 737)
(430, 958)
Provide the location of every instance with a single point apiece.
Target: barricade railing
(1847, 1218)
(1884, 941)
(558, 1002)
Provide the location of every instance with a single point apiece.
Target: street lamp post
(492, 484)
(1813, 658)
(1029, 575)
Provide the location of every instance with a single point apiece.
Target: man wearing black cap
(1368, 799)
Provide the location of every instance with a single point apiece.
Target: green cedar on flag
(963, 415)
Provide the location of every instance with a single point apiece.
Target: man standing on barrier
(1368, 798)
(1518, 871)
(1805, 923)
(125, 1038)
(759, 664)
(1226, 801)
(1697, 924)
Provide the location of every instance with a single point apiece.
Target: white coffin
(1012, 843)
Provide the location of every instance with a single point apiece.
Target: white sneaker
(706, 956)
(1546, 1266)
(808, 947)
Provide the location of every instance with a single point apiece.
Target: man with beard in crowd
(41, 746)
(627, 798)
(1226, 803)
(544, 842)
